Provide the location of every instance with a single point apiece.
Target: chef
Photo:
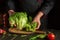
(38, 9)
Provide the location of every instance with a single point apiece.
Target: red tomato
(2, 31)
(51, 36)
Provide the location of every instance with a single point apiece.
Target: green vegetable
(33, 38)
(18, 18)
(41, 36)
(12, 20)
(31, 27)
(22, 21)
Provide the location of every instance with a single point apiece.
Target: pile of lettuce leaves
(22, 21)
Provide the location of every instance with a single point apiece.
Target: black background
(54, 16)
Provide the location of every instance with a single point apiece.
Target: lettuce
(22, 21)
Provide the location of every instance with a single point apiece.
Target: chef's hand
(37, 19)
(10, 12)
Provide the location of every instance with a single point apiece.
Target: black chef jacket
(32, 7)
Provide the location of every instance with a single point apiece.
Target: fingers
(38, 26)
(10, 12)
(38, 23)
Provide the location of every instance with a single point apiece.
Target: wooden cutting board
(14, 30)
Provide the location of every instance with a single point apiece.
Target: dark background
(54, 16)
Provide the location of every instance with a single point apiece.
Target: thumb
(11, 12)
(38, 26)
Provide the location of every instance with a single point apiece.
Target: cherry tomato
(2, 31)
(51, 36)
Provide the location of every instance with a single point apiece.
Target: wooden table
(10, 36)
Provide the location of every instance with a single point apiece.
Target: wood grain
(14, 30)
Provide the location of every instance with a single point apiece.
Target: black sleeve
(11, 5)
(47, 6)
